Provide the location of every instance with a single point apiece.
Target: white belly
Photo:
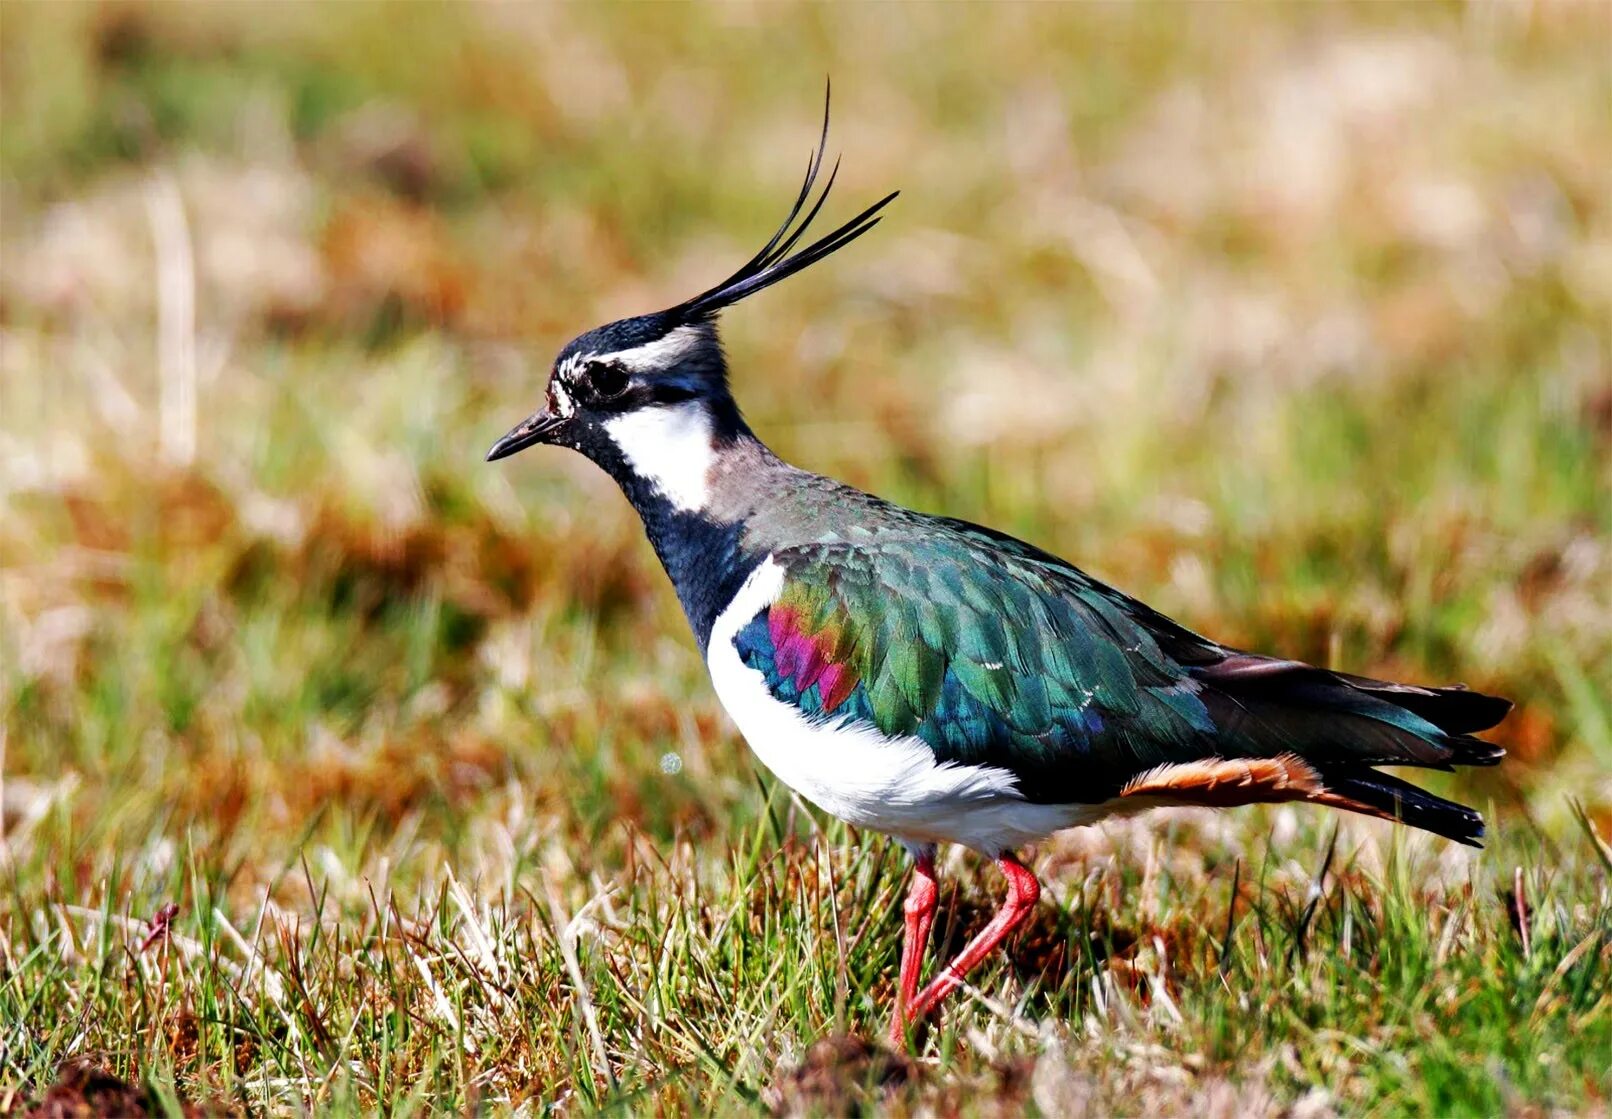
(863, 776)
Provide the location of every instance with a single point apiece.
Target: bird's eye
(606, 380)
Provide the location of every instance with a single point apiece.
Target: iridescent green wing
(987, 650)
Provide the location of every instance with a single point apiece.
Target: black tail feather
(1332, 718)
(1467, 750)
(1380, 794)
(1455, 709)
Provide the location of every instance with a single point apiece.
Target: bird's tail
(1340, 727)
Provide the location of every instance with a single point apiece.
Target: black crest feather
(774, 262)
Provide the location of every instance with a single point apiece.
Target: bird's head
(606, 381)
(656, 386)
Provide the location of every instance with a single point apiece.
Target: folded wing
(995, 653)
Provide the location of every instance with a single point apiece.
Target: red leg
(1023, 892)
(923, 898)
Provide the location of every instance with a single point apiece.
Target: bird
(939, 681)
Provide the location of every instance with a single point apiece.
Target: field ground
(342, 771)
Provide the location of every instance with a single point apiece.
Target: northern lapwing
(943, 682)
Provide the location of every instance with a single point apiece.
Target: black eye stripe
(671, 393)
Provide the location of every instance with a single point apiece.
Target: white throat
(669, 446)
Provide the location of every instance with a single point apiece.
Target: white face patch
(670, 446)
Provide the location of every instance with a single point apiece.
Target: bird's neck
(696, 477)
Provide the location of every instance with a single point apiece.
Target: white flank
(855, 772)
(670, 446)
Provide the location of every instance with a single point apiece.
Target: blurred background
(1294, 321)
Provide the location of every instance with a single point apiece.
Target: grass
(1293, 322)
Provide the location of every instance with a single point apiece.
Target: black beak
(535, 428)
